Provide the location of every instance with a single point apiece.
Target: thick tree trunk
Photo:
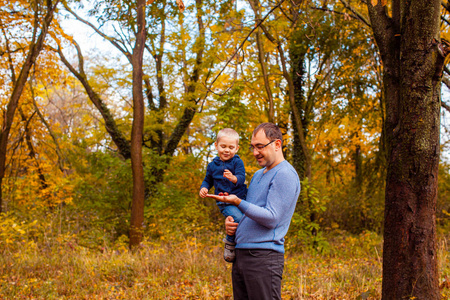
(137, 131)
(409, 47)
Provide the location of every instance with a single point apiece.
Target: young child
(227, 174)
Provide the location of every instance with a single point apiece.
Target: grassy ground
(192, 268)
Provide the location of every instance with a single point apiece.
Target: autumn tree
(40, 15)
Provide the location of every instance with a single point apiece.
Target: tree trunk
(295, 111)
(161, 89)
(297, 58)
(137, 131)
(413, 62)
(357, 158)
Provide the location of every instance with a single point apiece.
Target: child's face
(226, 147)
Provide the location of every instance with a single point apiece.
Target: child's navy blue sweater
(214, 177)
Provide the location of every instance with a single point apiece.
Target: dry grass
(192, 268)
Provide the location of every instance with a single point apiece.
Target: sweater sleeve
(239, 171)
(281, 200)
(209, 180)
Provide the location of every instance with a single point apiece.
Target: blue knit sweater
(268, 209)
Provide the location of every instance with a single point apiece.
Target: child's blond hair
(229, 133)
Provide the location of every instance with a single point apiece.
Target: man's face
(266, 156)
(226, 147)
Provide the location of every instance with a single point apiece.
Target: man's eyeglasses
(260, 147)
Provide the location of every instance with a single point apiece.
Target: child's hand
(203, 192)
(228, 175)
(230, 226)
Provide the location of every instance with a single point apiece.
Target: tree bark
(137, 131)
(297, 58)
(413, 60)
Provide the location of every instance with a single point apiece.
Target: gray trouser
(257, 274)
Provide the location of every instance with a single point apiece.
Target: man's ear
(278, 144)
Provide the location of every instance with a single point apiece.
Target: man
(273, 191)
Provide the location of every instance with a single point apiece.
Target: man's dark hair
(271, 130)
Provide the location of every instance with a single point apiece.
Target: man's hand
(228, 175)
(224, 197)
(203, 192)
(230, 226)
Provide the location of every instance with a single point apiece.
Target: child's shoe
(228, 254)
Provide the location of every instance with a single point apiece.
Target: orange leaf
(180, 5)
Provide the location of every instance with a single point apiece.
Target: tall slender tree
(137, 131)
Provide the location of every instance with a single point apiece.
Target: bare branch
(446, 106)
(445, 20)
(108, 38)
(239, 48)
(61, 159)
(356, 13)
(445, 5)
(335, 12)
(111, 127)
(446, 81)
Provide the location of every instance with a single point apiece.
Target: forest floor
(189, 268)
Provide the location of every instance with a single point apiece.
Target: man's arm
(281, 199)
